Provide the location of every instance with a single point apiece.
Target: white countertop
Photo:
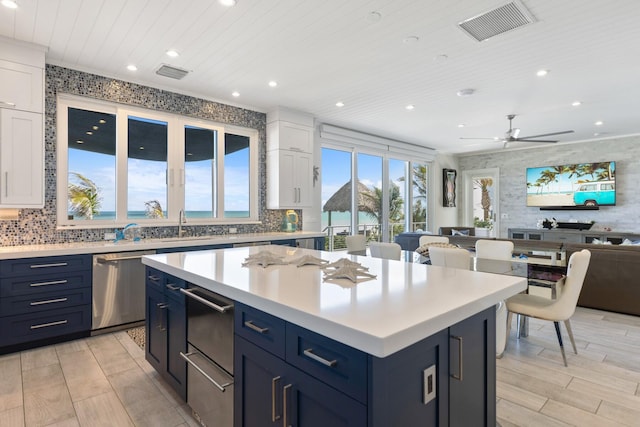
(404, 304)
(77, 248)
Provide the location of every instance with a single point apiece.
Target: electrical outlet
(504, 216)
(429, 384)
(109, 236)
(233, 230)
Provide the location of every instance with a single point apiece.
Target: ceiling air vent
(171, 72)
(497, 21)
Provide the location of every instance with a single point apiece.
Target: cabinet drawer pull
(46, 325)
(459, 376)
(310, 354)
(55, 264)
(285, 391)
(153, 278)
(274, 385)
(50, 301)
(172, 287)
(249, 324)
(54, 282)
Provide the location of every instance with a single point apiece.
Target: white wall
(441, 216)
(625, 216)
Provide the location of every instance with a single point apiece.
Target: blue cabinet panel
(260, 328)
(31, 266)
(38, 283)
(23, 304)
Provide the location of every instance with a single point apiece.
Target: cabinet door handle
(216, 307)
(46, 325)
(187, 358)
(54, 282)
(459, 376)
(55, 264)
(159, 309)
(285, 409)
(274, 385)
(249, 324)
(310, 354)
(50, 301)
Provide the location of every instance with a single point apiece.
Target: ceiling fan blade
(515, 133)
(533, 140)
(546, 134)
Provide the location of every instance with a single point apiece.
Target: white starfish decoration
(308, 260)
(263, 259)
(344, 262)
(351, 272)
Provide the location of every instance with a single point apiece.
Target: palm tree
(374, 208)
(84, 197)
(485, 199)
(419, 182)
(153, 209)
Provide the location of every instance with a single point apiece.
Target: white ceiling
(324, 51)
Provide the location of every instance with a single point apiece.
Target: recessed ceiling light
(11, 4)
(440, 58)
(411, 40)
(132, 67)
(102, 121)
(374, 16)
(235, 94)
(461, 125)
(79, 141)
(273, 83)
(89, 132)
(141, 148)
(410, 107)
(542, 73)
(465, 92)
(95, 128)
(576, 103)
(227, 3)
(599, 123)
(339, 104)
(172, 53)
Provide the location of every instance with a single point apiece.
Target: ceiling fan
(512, 135)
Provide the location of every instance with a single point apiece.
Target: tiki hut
(340, 201)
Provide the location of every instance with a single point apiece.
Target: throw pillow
(455, 232)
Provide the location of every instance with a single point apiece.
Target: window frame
(175, 165)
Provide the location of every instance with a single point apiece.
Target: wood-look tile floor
(105, 381)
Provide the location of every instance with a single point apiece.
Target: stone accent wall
(625, 216)
(38, 226)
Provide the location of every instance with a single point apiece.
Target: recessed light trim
(576, 103)
(227, 3)
(273, 83)
(132, 67)
(374, 16)
(411, 40)
(89, 132)
(599, 123)
(172, 53)
(10, 4)
(410, 107)
(465, 92)
(235, 94)
(461, 125)
(542, 73)
(339, 104)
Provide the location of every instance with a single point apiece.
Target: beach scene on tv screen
(582, 184)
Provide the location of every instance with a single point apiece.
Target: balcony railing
(336, 234)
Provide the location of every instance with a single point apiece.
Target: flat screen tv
(571, 185)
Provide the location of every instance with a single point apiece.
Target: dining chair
(555, 310)
(450, 257)
(385, 250)
(494, 249)
(356, 245)
(433, 239)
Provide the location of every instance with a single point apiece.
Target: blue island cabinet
(166, 328)
(287, 375)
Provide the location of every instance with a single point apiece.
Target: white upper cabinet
(21, 159)
(289, 136)
(21, 87)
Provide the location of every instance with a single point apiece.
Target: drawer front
(31, 285)
(334, 363)
(14, 286)
(47, 324)
(260, 328)
(172, 286)
(45, 265)
(24, 304)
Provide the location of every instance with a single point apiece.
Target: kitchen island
(413, 346)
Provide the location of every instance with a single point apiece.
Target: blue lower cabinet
(270, 392)
(166, 329)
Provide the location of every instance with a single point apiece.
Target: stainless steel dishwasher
(118, 289)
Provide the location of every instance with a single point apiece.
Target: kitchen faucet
(182, 219)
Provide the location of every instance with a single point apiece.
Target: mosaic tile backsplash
(38, 226)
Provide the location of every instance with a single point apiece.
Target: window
(118, 165)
